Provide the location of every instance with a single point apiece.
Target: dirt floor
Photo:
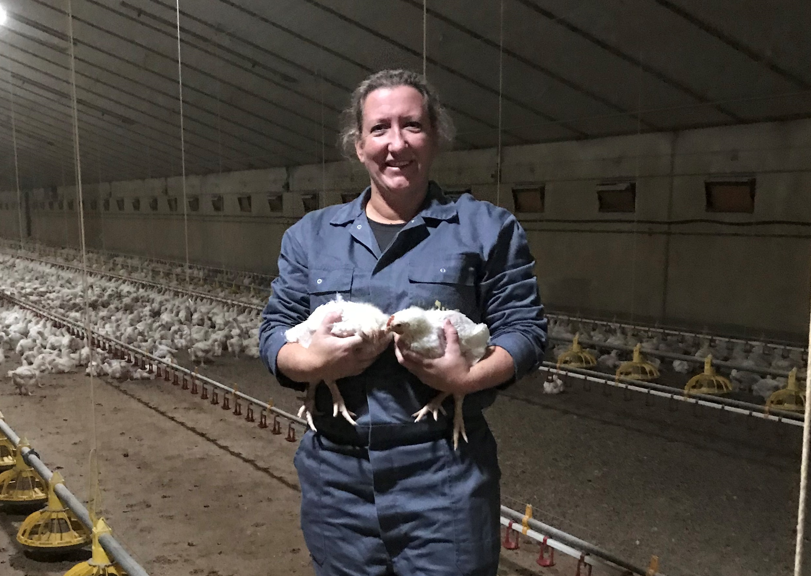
(709, 496)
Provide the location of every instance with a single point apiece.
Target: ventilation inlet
(730, 195)
(275, 203)
(617, 197)
(244, 204)
(310, 202)
(529, 200)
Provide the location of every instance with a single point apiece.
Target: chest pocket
(450, 282)
(324, 284)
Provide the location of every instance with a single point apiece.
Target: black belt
(339, 431)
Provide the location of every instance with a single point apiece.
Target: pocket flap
(325, 281)
(442, 272)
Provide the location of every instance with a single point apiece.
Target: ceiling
(264, 82)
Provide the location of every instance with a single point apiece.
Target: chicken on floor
(423, 332)
(357, 318)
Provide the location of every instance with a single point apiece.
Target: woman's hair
(352, 117)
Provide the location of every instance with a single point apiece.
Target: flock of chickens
(155, 321)
(699, 347)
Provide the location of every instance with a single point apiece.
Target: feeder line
(674, 356)
(652, 389)
(108, 542)
(136, 354)
(605, 558)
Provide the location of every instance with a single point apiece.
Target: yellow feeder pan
(21, 484)
(790, 398)
(637, 369)
(576, 357)
(708, 382)
(7, 451)
(99, 564)
(53, 528)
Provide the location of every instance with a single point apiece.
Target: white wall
(669, 261)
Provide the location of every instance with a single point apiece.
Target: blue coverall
(391, 495)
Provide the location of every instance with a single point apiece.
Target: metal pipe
(676, 332)
(183, 291)
(566, 549)
(673, 356)
(107, 541)
(169, 264)
(727, 404)
(573, 541)
(154, 359)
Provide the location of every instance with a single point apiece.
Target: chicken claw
(308, 408)
(433, 407)
(458, 420)
(338, 404)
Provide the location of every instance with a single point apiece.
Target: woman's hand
(330, 357)
(449, 373)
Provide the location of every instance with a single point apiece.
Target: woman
(390, 495)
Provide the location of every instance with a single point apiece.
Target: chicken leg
(308, 408)
(434, 407)
(458, 420)
(338, 404)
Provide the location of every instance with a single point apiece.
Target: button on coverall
(390, 495)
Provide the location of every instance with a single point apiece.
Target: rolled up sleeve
(510, 300)
(289, 305)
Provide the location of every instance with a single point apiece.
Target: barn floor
(188, 488)
(709, 496)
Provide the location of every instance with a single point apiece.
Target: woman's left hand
(448, 373)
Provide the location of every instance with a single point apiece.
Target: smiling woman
(388, 494)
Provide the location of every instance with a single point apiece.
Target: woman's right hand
(329, 357)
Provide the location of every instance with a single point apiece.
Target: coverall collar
(436, 207)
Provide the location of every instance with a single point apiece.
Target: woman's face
(397, 143)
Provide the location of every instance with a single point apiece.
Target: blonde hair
(352, 117)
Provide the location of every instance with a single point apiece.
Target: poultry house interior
(654, 156)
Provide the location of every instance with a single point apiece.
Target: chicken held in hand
(423, 332)
(357, 318)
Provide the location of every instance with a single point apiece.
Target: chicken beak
(390, 328)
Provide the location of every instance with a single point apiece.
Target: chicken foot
(308, 408)
(338, 404)
(458, 420)
(434, 407)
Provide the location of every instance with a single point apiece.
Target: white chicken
(553, 384)
(423, 332)
(23, 377)
(359, 318)
(681, 366)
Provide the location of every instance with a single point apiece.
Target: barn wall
(669, 261)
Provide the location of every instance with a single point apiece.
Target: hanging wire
(499, 150)
(93, 472)
(323, 194)
(14, 144)
(425, 38)
(801, 506)
(182, 148)
(636, 176)
(222, 224)
(64, 210)
(99, 197)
